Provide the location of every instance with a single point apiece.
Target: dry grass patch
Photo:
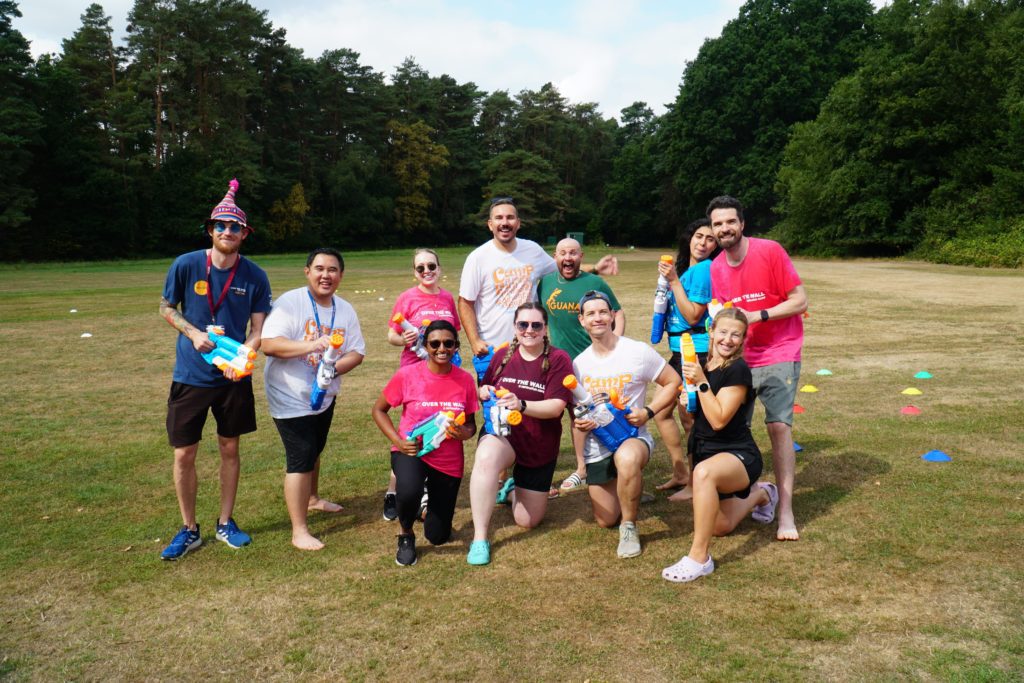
(905, 569)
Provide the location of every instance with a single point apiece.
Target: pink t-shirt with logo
(761, 281)
(416, 305)
(422, 394)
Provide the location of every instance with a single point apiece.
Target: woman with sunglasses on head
(531, 371)
(690, 282)
(727, 461)
(424, 390)
(425, 301)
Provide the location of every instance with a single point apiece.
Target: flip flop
(766, 513)
(572, 483)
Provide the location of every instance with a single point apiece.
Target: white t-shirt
(628, 369)
(498, 282)
(289, 381)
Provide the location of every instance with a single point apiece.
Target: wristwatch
(703, 386)
(764, 315)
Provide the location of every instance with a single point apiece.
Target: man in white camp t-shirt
(295, 336)
(625, 366)
(501, 274)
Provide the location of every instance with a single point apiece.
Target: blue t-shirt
(697, 285)
(186, 285)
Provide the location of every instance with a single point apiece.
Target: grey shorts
(776, 387)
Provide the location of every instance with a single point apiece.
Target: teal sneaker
(185, 540)
(479, 553)
(504, 492)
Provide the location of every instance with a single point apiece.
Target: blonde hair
(728, 314)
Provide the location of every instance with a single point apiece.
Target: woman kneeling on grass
(423, 390)
(532, 372)
(726, 459)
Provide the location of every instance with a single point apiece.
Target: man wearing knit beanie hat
(215, 287)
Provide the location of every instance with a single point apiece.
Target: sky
(612, 52)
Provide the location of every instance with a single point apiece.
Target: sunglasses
(502, 200)
(233, 227)
(522, 326)
(424, 267)
(435, 344)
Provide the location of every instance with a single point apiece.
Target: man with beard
(215, 286)
(501, 274)
(759, 278)
(560, 292)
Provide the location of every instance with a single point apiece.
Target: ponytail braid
(545, 365)
(508, 356)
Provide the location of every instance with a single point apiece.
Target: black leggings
(443, 489)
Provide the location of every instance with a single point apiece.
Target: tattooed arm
(200, 340)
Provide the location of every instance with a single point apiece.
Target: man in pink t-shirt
(757, 276)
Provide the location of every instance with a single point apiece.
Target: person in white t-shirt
(295, 336)
(501, 274)
(625, 366)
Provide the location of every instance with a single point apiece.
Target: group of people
(536, 327)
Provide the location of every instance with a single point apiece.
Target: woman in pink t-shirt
(426, 390)
(425, 301)
(532, 372)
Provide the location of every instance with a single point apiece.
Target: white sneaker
(629, 540)
(687, 570)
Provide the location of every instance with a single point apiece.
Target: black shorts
(534, 478)
(233, 405)
(304, 439)
(751, 459)
(676, 361)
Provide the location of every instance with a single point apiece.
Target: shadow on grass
(821, 483)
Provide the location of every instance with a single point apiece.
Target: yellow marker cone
(809, 389)
(911, 391)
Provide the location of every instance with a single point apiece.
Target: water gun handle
(660, 304)
(325, 372)
(689, 356)
(613, 434)
(407, 326)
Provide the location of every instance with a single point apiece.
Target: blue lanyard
(316, 316)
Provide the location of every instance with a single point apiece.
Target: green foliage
(541, 199)
(921, 148)
(286, 217)
(412, 158)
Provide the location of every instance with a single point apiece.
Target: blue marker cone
(823, 372)
(797, 447)
(936, 456)
(924, 374)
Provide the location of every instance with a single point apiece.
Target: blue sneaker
(506, 489)
(232, 535)
(185, 540)
(479, 553)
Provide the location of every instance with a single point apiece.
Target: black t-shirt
(736, 434)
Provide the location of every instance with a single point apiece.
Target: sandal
(766, 513)
(687, 570)
(573, 482)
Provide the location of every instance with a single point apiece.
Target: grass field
(906, 569)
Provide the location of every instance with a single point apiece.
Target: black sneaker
(406, 555)
(390, 506)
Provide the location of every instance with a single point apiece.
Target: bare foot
(787, 534)
(682, 495)
(306, 542)
(324, 505)
(672, 483)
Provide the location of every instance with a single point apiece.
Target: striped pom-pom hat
(227, 210)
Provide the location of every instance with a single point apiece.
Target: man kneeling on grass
(625, 366)
(296, 335)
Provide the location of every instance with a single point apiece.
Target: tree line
(846, 131)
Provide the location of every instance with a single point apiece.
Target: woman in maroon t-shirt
(532, 372)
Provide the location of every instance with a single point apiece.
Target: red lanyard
(227, 285)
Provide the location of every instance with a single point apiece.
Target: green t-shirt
(561, 298)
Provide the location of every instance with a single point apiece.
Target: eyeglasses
(423, 267)
(502, 200)
(231, 226)
(435, 344)
(534, 325)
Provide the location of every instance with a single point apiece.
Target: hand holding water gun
(605, 411)
(481, 363)
(498, 418)
(409, 329)
(660, 302)
(688, 393)
(326, 372)
(435, 429)
(228, 354)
